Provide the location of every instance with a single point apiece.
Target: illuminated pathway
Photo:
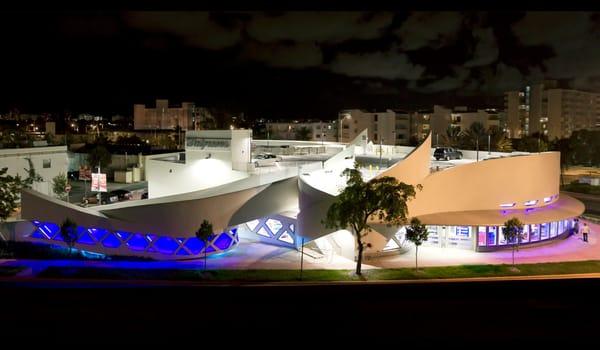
(253, 255)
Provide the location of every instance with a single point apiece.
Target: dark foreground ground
(108, 313)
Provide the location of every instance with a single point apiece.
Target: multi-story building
(293, 130)
(164, 117)
(549, 110)
(389, 127)
(440, 118)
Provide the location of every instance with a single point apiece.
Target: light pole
(477, 145)
(380, 151)
(437, 140)
(489, 144)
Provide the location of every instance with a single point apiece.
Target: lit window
(531, 202)
(507, 205)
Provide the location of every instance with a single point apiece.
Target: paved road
(591, 201)
(78, 188)
(564, 310)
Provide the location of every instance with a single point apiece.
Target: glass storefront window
(534, 233)
(553, 229)
(491, 236)
(544, 231)
(561, 227)
(501, 238)
(463, 231)
(481, 235)
(525, 234)
(433, 236)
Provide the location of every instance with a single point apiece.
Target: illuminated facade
(464, 206)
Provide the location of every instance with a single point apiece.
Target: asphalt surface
(78, 189)
(498, 311)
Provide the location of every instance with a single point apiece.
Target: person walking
(575, 226)
(585, 231)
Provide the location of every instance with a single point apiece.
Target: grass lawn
(10, 270)
(323, 275)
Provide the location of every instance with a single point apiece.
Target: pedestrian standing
(576, 226)
(585, 231)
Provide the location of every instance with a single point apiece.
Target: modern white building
(464, 203)
(315, 130)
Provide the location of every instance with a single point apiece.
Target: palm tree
(452, 137)
(498, 140)
(204, 233)
(473, 136)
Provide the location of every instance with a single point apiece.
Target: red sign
(85, 173)
(99, 182)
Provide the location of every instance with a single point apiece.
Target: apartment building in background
(292, 130)
(547, 109)
(163, 117)
(389, 127)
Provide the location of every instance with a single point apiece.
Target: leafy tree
(10, 187)
(498, 140)
(474, 136)
(383, 199)
(416, 233)
(99, 155)
(68, 232)
(204, 233)
(32, 175)
(303, 134)
(513, 232)
(59, 185)
(452, 137)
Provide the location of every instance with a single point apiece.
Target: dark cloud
(387, 65)
(429, 29)
(294, 55)
(486, 49)
(447, 83)
(193, 28)
(318, 27)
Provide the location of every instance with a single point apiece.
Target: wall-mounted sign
(208, 143)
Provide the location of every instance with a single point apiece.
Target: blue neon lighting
(182, 251)
(137, 242)
(210, 249)
(98, 233)
(223, 242)
(38, 234)
(166, 245)
(123, 235)
(84, 236)
(151, 237)
(194, 245)
(111, 241)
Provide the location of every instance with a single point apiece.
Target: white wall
(168, 178)
(16, 162)
(241, 149)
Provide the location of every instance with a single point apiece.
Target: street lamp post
(346, 116)
(380, 151)
(489, 144)
(477, 143)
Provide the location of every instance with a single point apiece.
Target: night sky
(288, 64)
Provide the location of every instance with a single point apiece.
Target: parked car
(447, 153)
(121, 194)
(265, 159)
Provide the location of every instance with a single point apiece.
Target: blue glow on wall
(123, 236)
(98, 233)
(137, 242)
(194, 245)
(166, 245)
(111, 241)
(223, 242)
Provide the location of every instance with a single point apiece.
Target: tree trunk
(205, 247)
(416, 258)
(513, 255)
(360, 252)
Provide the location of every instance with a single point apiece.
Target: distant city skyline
(290, 64)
